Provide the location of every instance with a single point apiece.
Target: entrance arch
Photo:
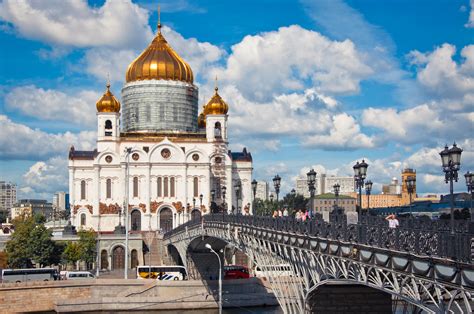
(134, 258)
(104, 259)
(166, 219)
(136, 220)
(118, 258)
(196, 214)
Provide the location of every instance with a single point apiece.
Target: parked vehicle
(273, 270)
(78, 275)
(236, 272)
(29, 274)
(163, 272)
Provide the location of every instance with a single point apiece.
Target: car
(78, 275)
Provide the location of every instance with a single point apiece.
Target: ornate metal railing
(414, 235)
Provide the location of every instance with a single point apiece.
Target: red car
(236, 272)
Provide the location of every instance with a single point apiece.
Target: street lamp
(360, 173)
(213, 194)
(336, 188)
(368, 189)
(311, 178)
(224, 209)
(411, 184)
(200, 201)
(470, 188)
(194, 205)
(254, 190)
(293, 196)
(237, 187)
(451, 162)
(220, 276)
(276, 184)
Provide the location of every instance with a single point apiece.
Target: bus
(283, 270)
(163, 272)
(29, 274)
(236, 272)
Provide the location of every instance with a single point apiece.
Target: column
(147, 197)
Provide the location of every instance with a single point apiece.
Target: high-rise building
(262, 190)
(7, 197)
(346, 184)
(324, 184)
(61, 200)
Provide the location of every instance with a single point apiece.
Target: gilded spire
(215, 85)
(108, 102)
(159, 20)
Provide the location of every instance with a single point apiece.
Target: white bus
(161, 272)
(29, 274)
(283, 270)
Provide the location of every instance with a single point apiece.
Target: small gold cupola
(159, 62)
(201, 120)
(216, 105)
(108, 102)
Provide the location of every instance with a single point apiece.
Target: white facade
(324, 184)
(346, 184)
(7, 196)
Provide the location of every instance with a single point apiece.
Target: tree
(87, 243)
(72, 253)
(31, 242)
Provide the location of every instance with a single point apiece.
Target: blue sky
(309, 83)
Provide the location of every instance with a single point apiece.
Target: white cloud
(343, 134)
(75, 23)
(46, 177)
(107, 63)
(293, 58)
(18, 141)
(78, 108)
(470, 22)
(441, 75)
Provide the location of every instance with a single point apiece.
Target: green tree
(72, 253)
(31, 242)
(295, 202)
(87, 243)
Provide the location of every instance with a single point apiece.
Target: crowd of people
(299, 214)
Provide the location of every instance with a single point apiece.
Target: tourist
(392, 221)
(298, 215)
(285, 212)
(280, 213)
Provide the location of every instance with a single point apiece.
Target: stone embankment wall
(129, 295)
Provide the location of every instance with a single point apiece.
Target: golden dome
(216, 105)
(201, 120)
(108, 102)
(159, 62)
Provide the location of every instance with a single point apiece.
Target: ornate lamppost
(451, 162)
(194, 205)
(224, 207)
(271, 202)
(336, 188)
(276, 184)
(293, 196)
(411, 184)
(368, 189)
(237, 187)
(200, 202)
(213, 194)
(254, 190)
(311, 179)
(470, 188)
(360, 173)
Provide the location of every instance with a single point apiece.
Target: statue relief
(154, 206)
(89, 207)
(142, 207)
(105, 209)
(179, 206)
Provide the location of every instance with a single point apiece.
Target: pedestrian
(298, 215)
(392, 221)
(275, 213)
(280, 213)
(285, 212)
(304, 216)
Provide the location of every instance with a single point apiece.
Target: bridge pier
(344, 298)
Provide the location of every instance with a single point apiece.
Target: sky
(310, 84)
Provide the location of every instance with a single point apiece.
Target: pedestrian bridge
(420, 264)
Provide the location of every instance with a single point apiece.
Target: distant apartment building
(324, 184)
(31, 207)
(262, 190)
(393, 194)
(326, 202)
(61, 201)
(7, 197)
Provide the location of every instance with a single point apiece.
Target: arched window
(83, 190)
(165, 186)
(172, 193)
(196, 186)
(217, 130)
(83, 219)
(108, 128)
(108, 188)
(159, 187)
(135, 186)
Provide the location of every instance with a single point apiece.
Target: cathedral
(156, 158)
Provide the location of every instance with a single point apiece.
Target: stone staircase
(158, 254)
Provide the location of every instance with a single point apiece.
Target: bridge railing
(416, 235)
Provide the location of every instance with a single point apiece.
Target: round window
(165, 153)
(195, 157)
(135, 156)
(108, 159)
